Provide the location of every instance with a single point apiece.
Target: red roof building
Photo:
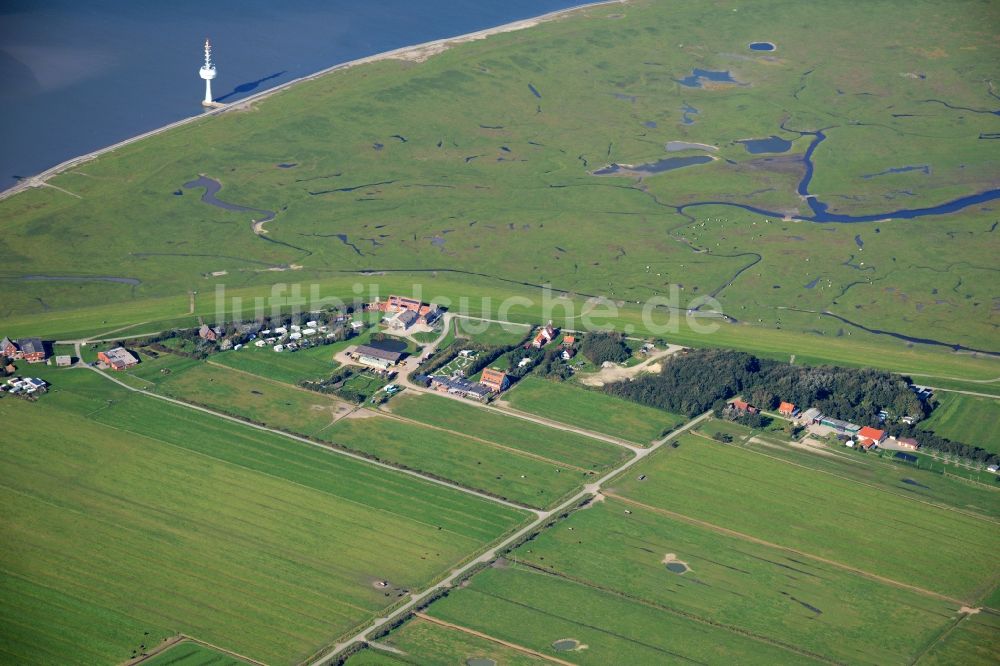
(786, 409)
(545, 335)
(494, 380)
(568, 341)
(743, 406)
(873, 434)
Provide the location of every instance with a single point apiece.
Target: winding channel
(820, 209)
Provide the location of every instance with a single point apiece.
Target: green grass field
(125, 516)
(559, 445)
(923, 480)
(968, 419)
(819, 514)
(261, 400)
(187, 653)
(535, 610)
(730, 582)
(305, 364)
(490, 333)
(972, 642)
(591, 410)
(476, 464)
(424, 642)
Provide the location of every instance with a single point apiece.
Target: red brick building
(494, 380)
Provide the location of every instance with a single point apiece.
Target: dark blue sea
(79, 75)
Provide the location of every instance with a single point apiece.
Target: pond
(480, 661)
(772, 144)
(695, 78)
(677, 567)
(650, 168)
(565, 645)
(762, 46)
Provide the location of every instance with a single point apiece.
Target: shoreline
(414, 53)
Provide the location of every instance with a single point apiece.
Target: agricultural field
(818, 515)
(540, 611)
(965, 418)
(517, 476)
(591, 410)
(261, 400)
(293, 367)
(971, 642)
(519, 434)
(491, 333)
(424, 641)
(746, 587)
(188, 653)
(129, 520)
(924, 480)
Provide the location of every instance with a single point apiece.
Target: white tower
(207, 72)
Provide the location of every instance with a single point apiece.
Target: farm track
(492, 639)
(589, 492)
(752, 539)
(181, 638)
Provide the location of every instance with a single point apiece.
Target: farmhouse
(404, 320)
(8, 348)
(374, 357)
(63, 361)
(494, 380)
(118, 358)
(743, 406)
(908, 443)
(544, 336)
(208, 333)
(873, 434)
(426, 313)
(460, 387)
(568, 341)
(31, 350)
(787, 409)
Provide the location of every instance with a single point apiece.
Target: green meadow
(187, 653)
(966, 418)
(536, 610)
(261, 400)
(421, 641)
(746, 587)
(591, 410)
(559, 445)
(972, 641)
(129, 520)
(473, 463)
(925, 482)
(301, 365)
(816, 514)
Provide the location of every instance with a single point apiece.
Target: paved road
(589, 491)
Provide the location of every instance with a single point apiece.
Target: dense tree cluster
(600, 347)
(693, 382)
